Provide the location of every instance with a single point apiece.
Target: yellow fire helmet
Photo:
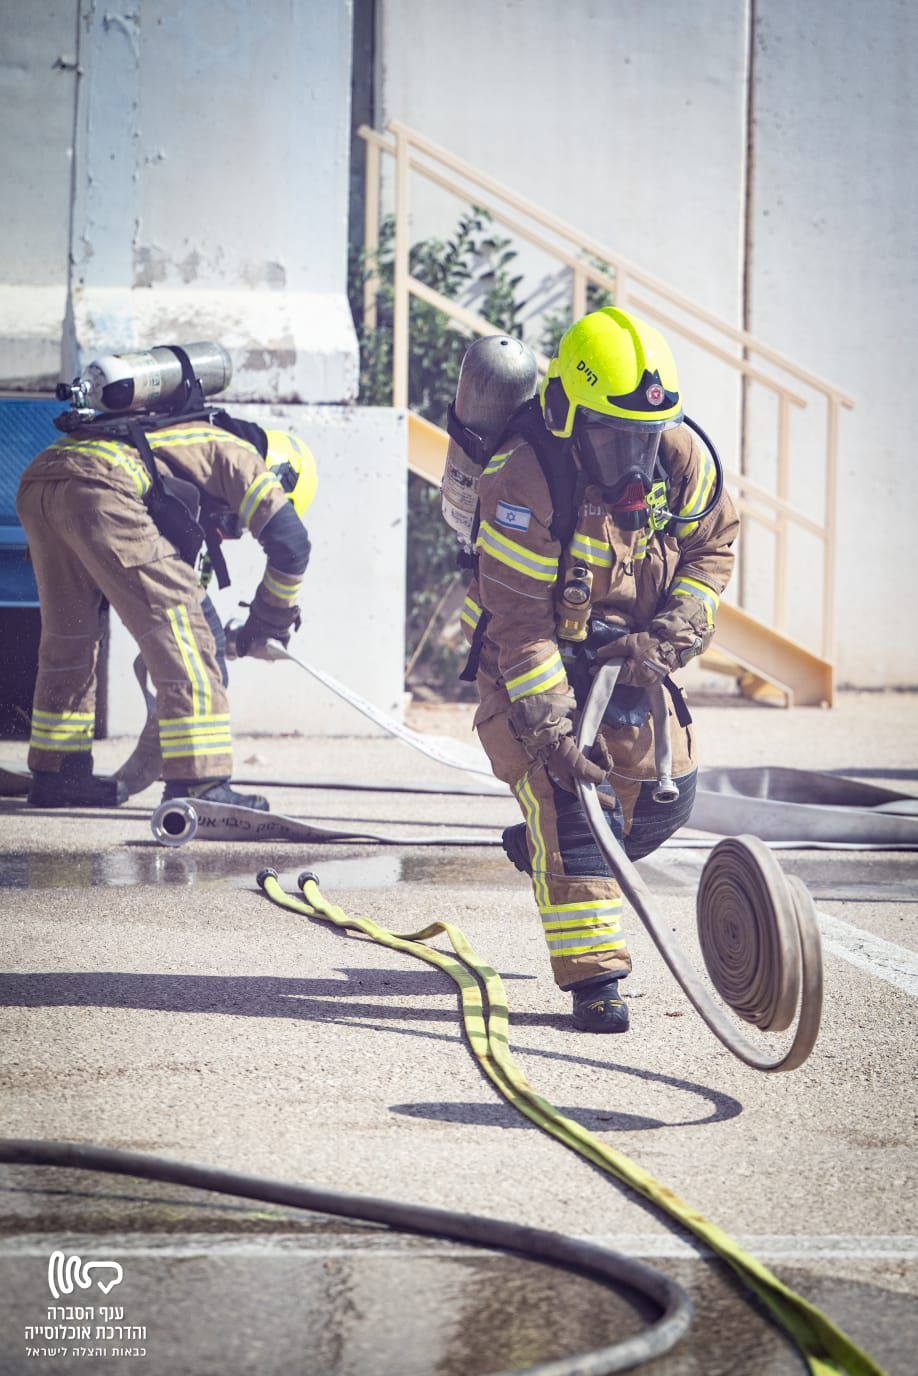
(293, 463)
(614, 388)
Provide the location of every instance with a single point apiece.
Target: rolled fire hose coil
(757, 928)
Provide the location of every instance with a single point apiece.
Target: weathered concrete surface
(154, 1000)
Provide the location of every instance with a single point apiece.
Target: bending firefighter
(602, 532)
(116, 512)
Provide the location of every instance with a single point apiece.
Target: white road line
(886, 1247)
(884, 959)
(890, 1247)
(887, 961)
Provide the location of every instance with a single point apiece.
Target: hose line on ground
(826, 1349)
(589, 1259)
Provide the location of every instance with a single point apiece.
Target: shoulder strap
(556, 462)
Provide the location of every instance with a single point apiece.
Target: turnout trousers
(90, 541)
(579, 902)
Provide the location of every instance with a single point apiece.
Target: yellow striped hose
(826, 1349)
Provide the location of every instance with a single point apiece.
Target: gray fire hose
(756, 926)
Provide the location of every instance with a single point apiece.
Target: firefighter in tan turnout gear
(603, 533)
(87, 504)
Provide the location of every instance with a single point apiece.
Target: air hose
(589, 1259)
(826, 1349)
(757, 928)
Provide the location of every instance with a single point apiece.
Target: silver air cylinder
(150, 380)
(497, 375)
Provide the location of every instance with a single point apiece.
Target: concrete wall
(834, 278)
(210, 181)
(353, 594)
(645, 126)
(37, 97)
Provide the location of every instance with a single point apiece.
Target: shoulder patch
(512, 517)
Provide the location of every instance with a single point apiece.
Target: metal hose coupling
(667, 790)
(175, 822)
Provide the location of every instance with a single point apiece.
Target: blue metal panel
(26, 427)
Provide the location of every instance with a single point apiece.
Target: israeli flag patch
(512, 517)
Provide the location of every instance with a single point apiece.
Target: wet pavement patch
(237, 867)
(840, 876)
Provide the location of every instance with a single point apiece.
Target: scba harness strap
(181, 510)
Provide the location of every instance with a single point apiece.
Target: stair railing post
(578, 294)
(779, 610)
(400, 304)
(831, 516)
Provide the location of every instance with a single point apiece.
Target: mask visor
(618, 453)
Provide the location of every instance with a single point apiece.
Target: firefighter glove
(647, 660)
(541, 719)
(542, 724)
(566, 763)
(254, 632)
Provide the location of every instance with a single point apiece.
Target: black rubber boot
(213, 791)
(598, 1006)
(75, 785)
(513, 840)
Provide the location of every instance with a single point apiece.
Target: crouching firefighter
(602, 532)
(117, 511)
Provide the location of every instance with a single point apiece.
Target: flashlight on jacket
(574, 609)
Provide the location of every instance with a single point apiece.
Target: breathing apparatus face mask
(619, 454)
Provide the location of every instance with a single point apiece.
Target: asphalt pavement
(153, 1000)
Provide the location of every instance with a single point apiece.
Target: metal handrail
(414, 153)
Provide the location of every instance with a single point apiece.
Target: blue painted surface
(26, 427)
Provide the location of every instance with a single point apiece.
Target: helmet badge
(655, 394)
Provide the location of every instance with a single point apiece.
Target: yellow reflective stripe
(690, 587)
(61, 747)
(283, 591)
(606, 905)
(538, 680)
(641, 547)
(496, 463)
(113, 454)
(207, 747)
(201, 697)
(191, 721)
(198, 730)
(207, 734)
(166, 439)
(471, 613)
(698, 499)
(255, 494)
(598, 552)
(567, 949)
(62, 730)
(529, 804)
(516, 556)
(44, 715)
